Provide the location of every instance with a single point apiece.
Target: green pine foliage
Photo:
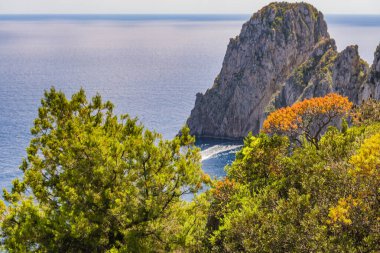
(95, 182)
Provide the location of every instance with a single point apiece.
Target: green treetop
(95, 182)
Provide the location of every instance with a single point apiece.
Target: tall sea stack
(283, 54)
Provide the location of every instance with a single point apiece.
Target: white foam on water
(217, 149)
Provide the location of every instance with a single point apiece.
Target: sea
(149, 66)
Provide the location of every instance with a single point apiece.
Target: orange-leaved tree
(308, 118)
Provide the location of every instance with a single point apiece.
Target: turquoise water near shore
(148, 66)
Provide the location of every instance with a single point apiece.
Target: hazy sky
(176, 6)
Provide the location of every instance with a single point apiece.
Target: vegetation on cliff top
(95, 182)
(300, 198)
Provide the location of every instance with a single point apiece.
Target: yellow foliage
(341, 212)
(367, 159)
(206, 178)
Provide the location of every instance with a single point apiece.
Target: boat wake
(217, 149)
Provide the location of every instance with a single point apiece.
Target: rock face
(271, 44)
(283, 54)
(324, 72)
(372, 87)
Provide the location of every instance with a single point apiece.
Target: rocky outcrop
(324, 72)
(312, 78)
(372, 87)
(283, 54)
(271, 44)
(349, 74)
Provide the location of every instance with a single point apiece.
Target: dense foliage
(308, 118)
(94, 182)
(304, 198)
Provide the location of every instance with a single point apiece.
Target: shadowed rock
(372, 87)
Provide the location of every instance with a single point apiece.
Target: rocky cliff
(324, 72)
(372, 88)
(283, 54)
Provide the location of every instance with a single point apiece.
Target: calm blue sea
(148, 66)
